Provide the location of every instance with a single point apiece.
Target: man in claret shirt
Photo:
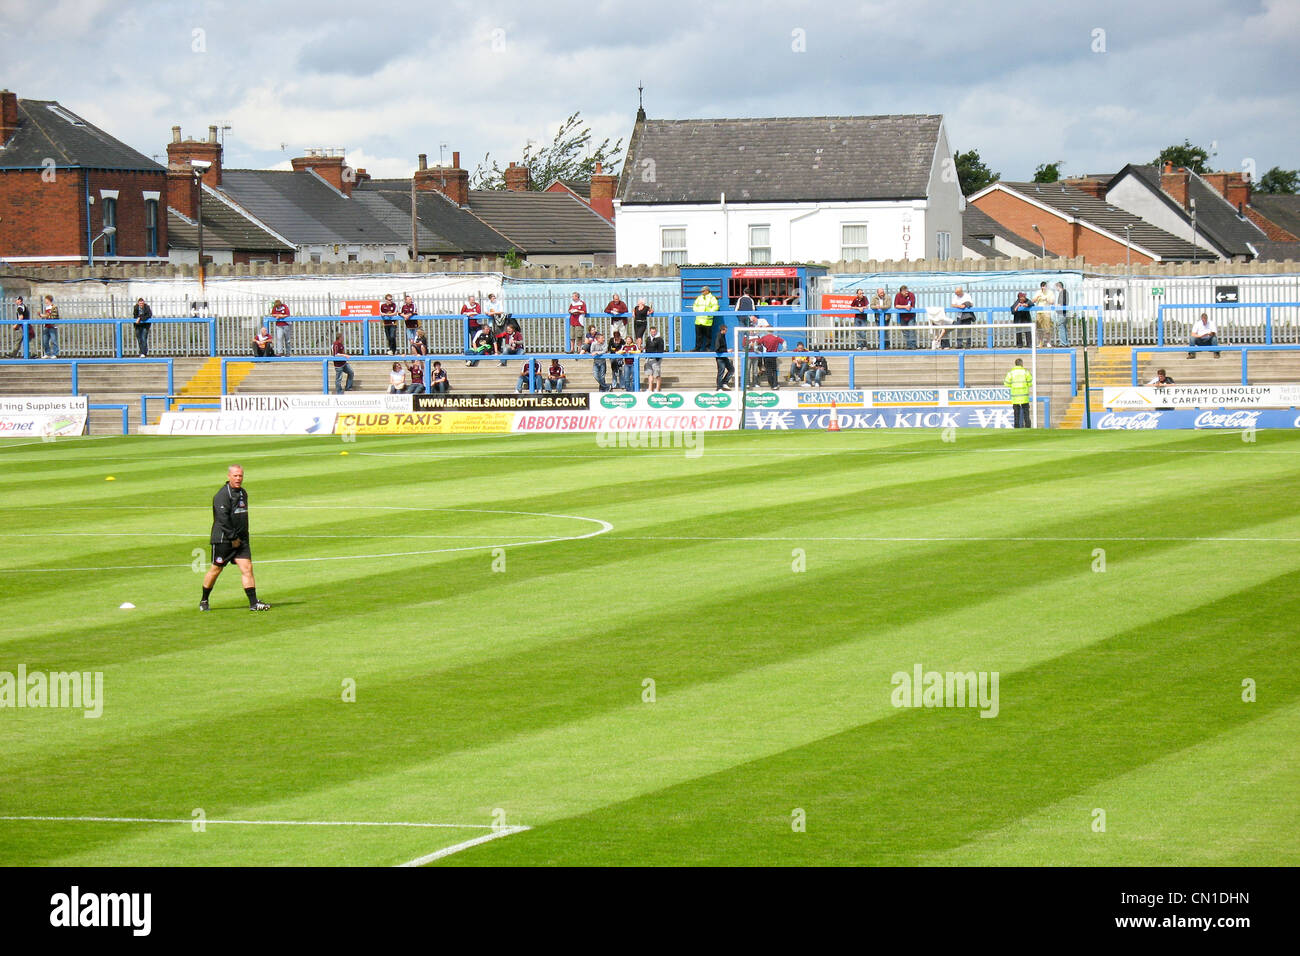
(410, 320)
(388, 315)
(617, 308)
(771, 342)
(577, 319)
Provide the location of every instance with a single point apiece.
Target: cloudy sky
(1095, 84)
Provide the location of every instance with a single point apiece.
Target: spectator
(1161, 380)
(1043, 320)
(50, 335)
(861, 318)
(262, 344)
(881, 304)
(705, 308)
(555, 377)
(397, 379)
(341, 368)
(940, 322)
(143, 316)
(577, 319)
(962, 302)
(745, 307)
(388, 316)
(440, 384)
(283, 328)
(817, 371)
(511, 343)
(615, 347)
(416, 368)
(497, 320)
(1020, 317)
(530, 376)
(629, 365)
(617, 308)
(481, 345)
(905, 301)
(21, 315)
(597, 348)
(653, 347)
(641, 319)
(771, 343)
(798, 363)
(1061, 320)
(588, 337)
(421, 344)
(1204, 334)
(410, 318)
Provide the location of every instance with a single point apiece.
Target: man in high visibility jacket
(1020, 380)
(706, 305)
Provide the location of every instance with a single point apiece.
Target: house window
(760, 244)
(109, 207)
(945, 244)
(672, 245)
(315, 258)
(390, 257)
(151, 227)
(853, 241)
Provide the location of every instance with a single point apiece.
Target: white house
(796, 189)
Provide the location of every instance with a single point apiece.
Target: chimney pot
(212, 134)
(424, 161)
(455, 160)
(176, 134)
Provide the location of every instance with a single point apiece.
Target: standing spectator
(641, 319)
(705, 307)
(388, 316)
(598, 349)
(512, 343)
(143, 315)
(617, 308)
(471, 310)
(880, 305)
(745, 307)
(1043, 320)
(726, 368)
(629, 365)
(341, 368)
(905, 301)
(653, 347)
(421, 344)
(440, 384)
(283, 328)
(577, 319)
(1204, 334)
(397, 379)
(1020, 318)
(416, 368)
(861, 318)
(496, 319)
(262, 344)
(1061, 320)
(817, 371)
(555, 377)
(21, 315)
(962, 302)
(410, 318)
(1019, 380)
(771, 343)
(50, 334)
(530, 377)
(615, 347)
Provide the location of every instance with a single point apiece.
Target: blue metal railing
(33, 332)
(109, 406)
(1243, 350)
(1268, 308)
(77, 364)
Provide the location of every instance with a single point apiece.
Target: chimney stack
(1233, 186)
(1174, 183)
(328, 164)
(181, 152)
(603, 187)
(1095, 188)
(8, 115)
(451, 181)
(517, 178)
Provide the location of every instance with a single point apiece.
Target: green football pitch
(538, 650)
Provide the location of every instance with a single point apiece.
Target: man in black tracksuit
(230, 538)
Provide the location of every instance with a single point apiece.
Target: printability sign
(788, 419)
(1202, 396)
(283, 422)
(879, 398)
(1193, 418)
(58, 416)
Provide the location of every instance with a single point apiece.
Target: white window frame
(756, 260)
(110, 241)
(865, 247)
(665, 251)
(943, 244)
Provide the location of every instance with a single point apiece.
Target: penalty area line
(496, 834)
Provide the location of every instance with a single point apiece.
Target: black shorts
(223, 554)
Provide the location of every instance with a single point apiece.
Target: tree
(568, 156)
(1278, 180)
(1188, 156)
(972, 174)
(1048, 172)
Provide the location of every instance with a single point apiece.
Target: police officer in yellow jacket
(706, 305)
(1020, 380)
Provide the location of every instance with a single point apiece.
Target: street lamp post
(198, 167)
(108, 231)
(1041, 240)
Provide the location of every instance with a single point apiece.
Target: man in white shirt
(1204, 334)
(962, 302)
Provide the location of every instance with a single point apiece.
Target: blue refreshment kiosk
(786, 288)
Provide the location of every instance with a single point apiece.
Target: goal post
(990, 350)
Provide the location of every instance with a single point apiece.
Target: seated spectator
(1161, 380)
(529, 377)
(397, 379)
(416, 368)
(798, 363)
(481, 344)
(511, 342)
(555, 377)
(262, 344)
(1204, 334)
(440, 384)
(420, 345)
(342, 367)
(817, 371)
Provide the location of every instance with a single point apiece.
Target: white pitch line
(805, 537)
(448, 851)
(260, 536)
(257, 823)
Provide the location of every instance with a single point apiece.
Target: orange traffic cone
(834, 424)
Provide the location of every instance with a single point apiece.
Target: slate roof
(580, 186)
(544, 223)
(48, 130)
(305, 209)
(976, 222)
(784, 159)
(223, 228)
(1111, 219)
(1216, 218)
(1271, 249)
(445, 228)
(1280, 208)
